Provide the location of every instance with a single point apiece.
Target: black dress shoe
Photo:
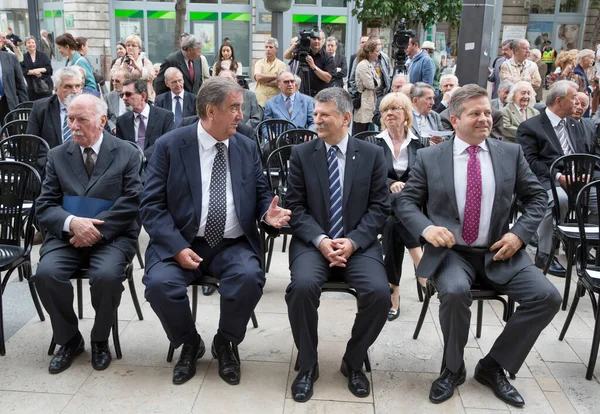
(393, 314)
(495, 378)
(302, 387)
(556, 269)
(185, 369)
(100, 355)
(229, 366)
(65, 355)
(208, 290)
(358, 383)
(443, 387)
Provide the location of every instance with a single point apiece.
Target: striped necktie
(336, 225)
(563, 138)
(66, 131)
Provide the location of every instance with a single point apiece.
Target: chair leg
(80, 298)
(116, 340)
(297, 364)
(580, 291)
(194, 301)
(367, 363)
(36, 300)
(2, 346)
(569, 269)
(479, 317)
(52, 346)
(419, 290)
(270, 243)
(595, 343)
(20, 270)
(170, 353)
(254, 321)
(138, 253)
(422, 315)
(284, 243)
(134, 298)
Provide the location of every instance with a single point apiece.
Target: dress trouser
(106, 265)
(538, 302)
(309, 271)
(241, 281)
(396, 238)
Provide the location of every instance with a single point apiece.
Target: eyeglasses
(116, 81)
(393, 108)
(289, 82)
(127, 94)
(131, 45)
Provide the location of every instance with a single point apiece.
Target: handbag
(40, 86)
(356, 99)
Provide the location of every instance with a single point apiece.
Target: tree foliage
(426, 12)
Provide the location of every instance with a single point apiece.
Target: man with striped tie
(339, 199)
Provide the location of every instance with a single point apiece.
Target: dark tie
(178, 113)
(141, 131)
(66, 131)
(191, 69)
(89, 161)
(336, 225)
(288, 105)
(470, 230)
(217, 199)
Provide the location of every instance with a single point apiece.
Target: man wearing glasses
(116, 105)
(289, 104)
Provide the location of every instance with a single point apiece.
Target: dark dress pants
(538, 302)
(395, 239)
(241, 281)
(106, 266)
(309, 271)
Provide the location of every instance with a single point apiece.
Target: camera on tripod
(302, 49)
(401, 39)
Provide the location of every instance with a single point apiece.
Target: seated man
(503, 91)
(544, 138)
(145, 123)
(203, 196)
(92, 167)
(469, 240)
(251, 110)
(337, 192)
(448, 82)
(422, 97)
(114, 101)
(289, 104)
(176, 100)
(582, 104)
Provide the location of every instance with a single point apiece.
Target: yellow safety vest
(548, 56)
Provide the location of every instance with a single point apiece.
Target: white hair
(583, 53)
(517, 87)
(66, 72)
(448, 76)
(559, 89)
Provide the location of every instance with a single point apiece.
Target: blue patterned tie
(336, 225)
(178, 113)
(66, 131)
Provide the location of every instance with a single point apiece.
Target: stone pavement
(553, 379)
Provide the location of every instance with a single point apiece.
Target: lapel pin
(353, 157)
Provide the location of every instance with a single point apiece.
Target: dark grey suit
(112, 101)
(177, 60)
(365, 208)
(13, 83)
(188, 108)
(339, 62)
(253, 112)
(434, 121)
(46, 47)
(431, 186)
(116, 178)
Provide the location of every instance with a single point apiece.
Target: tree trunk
(180, 11)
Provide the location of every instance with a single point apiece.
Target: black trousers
(309, 271)
(395, 239)
(237, 267)
(106, 266)
(3, 109)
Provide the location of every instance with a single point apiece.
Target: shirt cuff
(317, 240)
(425, 230)
(67, 224)
(557, 176)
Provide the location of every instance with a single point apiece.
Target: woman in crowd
(565, 63)
(367, 82)
(400, 147)
(519, 107)
(137, 64)
(121, 52)
(67, 47)
(83, 45)
(226, 61)
(37, 70)
(584, 73)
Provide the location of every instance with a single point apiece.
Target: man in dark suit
(179, 102)
(338, 196)
(582, 104)
(100, 171)
(46, 44)
(290, 104)
(12, 85)
(466, 186)
(188, 61)
(145, 123)
(422, 98)
(252, 111)
(204, 194)
(339, 62)
(544, 138)
(241, 127)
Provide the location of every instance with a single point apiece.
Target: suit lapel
(169, 101)
(575, 137)
(446, 165)
(235, 169)
(130, 133)
(75, 161)
(183, 67)
(280, 104)
(499, 167)
(104, 160)
(320, 160)
(151, 122)
(549, 130)
(298, 106)
(190, 158)
(352, 161)
(187, 104)
(55, 118)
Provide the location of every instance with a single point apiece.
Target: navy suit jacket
(172, 199)
(302, 112)
(188, 108)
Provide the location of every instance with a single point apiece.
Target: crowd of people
(439, 181)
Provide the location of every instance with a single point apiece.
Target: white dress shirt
(488, 188)
(208, 151)
(421, 119)
(401, 162)
(96, 148)
(555, 120)
(174, 102)
(136, 121)
(122, 107)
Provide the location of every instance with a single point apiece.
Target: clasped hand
(84, 231)
(336, 251)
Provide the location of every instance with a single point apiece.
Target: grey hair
(516, 45)
(448, 76)
(227, 73)
(583, 53)
(100, 107)
(332, 39)
(464, 94)
(215, 92)
(400, 75)
(559, 89)
(518, 86)
(171, 71)
(66, 72)
(283, 72)
(418, 90)
(272, 41)
(341, 98)
(29, 38)
(298, 80)
(508, 42)
(506, 84)
(43, 31)
(191, 42)
(536, 53)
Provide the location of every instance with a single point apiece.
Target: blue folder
(88, 207)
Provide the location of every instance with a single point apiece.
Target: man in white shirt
(176, 100)
(468, 240)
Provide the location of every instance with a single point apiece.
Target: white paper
(470, 46)
(434, 133)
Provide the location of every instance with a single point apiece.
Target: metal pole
(277, 31)
(34, 23)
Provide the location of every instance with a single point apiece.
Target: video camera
(401, 40)
(302, 48)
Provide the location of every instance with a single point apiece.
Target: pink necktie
(470, 230)
(191, 69)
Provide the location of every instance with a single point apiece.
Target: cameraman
(321, 66)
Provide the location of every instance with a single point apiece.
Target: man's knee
(160, 288)
(107, 277)
(303, 287)
(456, 294)
(47, 273)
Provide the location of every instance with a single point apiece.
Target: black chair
(18, 182)
(24, 148)
(588, 275)
(578, 170)
(83, 274)
(267, 132)
(13, 128)
(26, 104)
(295, 136)
(214, 283)
(143, 164)
(368, 136)
(16, 114)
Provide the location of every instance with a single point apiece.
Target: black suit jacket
(339, 61)
(13, 83)
(160, 121)
(437, 104)
(165, 101)
(177, 60)
(44, 120)
(365, 196)
(392, 176)
(541, 145)
(241, 128)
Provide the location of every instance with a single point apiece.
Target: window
(236, 26)
(161, 29)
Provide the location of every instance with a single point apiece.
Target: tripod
(302, 70)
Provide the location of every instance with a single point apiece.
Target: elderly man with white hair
(442, 101)
(46, 46)
(584, 73)
(536, 57)
(519, 108)
(503, 89)
(582, 103)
